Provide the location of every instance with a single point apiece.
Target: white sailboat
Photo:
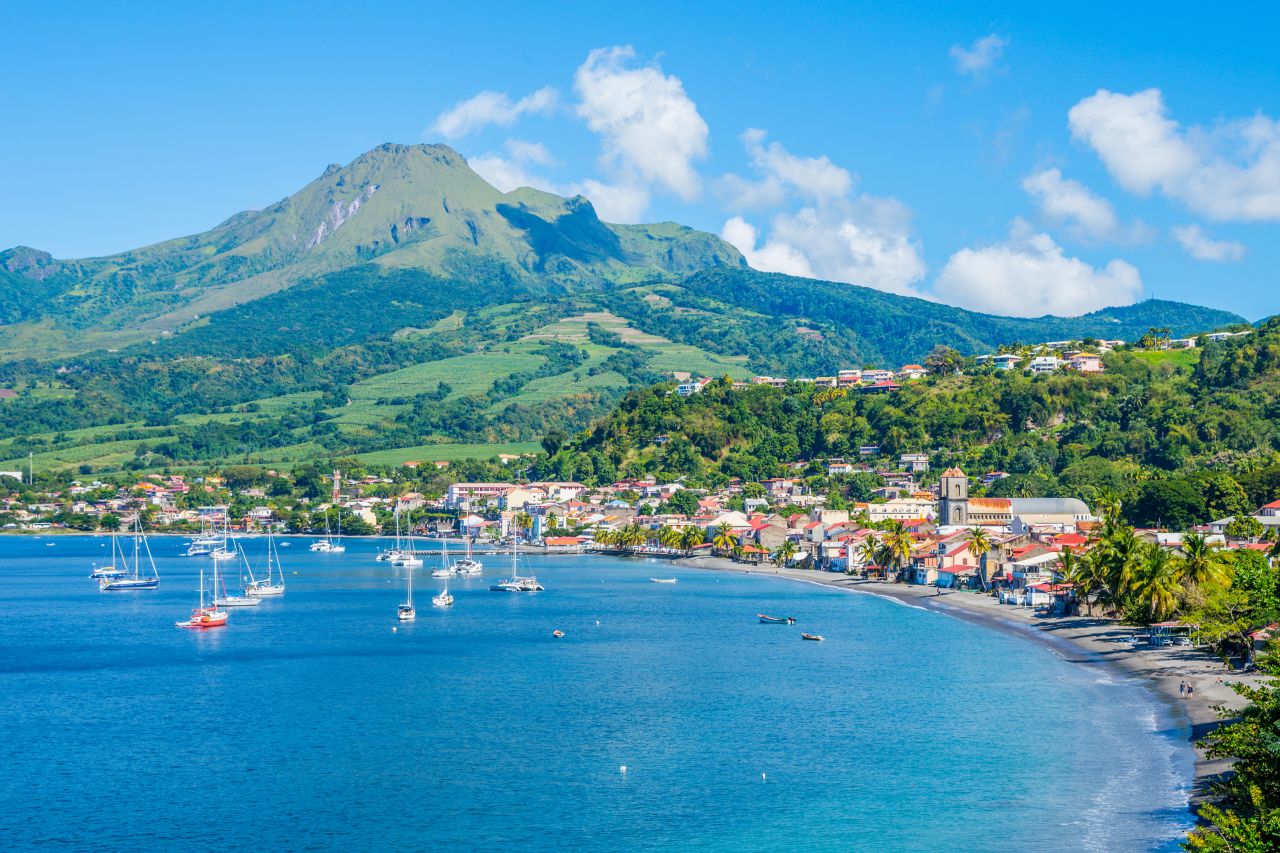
(444, 599)
(445, 569)
(225, 599)
(268, 587)
(406, 556)
(517, 582)
(468, 566)
(131, 575)
(392, 553)
(405, 612)
(227, 549)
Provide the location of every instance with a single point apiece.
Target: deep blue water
(308, 724)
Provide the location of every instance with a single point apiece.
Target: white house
(1045, 364)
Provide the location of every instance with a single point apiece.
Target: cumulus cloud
(1030, 275)
(866, 241)
(651, 132)
(622, 202)
(507, 172)
(1086, 214)
(1229, 172)
(1202, 247)
(833, 235)
(782, 174)
(980, 56)
(488, 108)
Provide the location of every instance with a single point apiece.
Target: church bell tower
(953, 499)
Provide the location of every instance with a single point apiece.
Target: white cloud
(1086, 214)
(488, 108)
(982, 55)
(1030, 275)
(1230, 172)
(866, 242)
(512, 171)
(651, 132)
(1202, 247)
(859, 240)
(782, 174)
(622, 202)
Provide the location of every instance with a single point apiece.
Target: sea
(667, 717)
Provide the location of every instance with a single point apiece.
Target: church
(1019, 515)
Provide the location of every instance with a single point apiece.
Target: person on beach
(1190, 689)
(1182, 688)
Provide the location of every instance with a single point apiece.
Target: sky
(995, 156)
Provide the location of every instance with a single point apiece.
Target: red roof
(564, 540)
(1272, 505)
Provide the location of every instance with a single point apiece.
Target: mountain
(397, 206)
(402, 302)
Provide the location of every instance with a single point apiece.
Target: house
(1181, 343)
(901, 509)
(916, 463)
(846, 378)
(1271, 510)
(911, 371)
(835, 469)
(882, 387)
(1085, 362)
(1045, 364)
(688, 389)
(769, 380)
(874, 376)
(459, 493)
(520, 497)
(1006, 361)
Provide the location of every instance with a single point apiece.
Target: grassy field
(1184, 359)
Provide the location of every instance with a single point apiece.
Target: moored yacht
(204, 617)
(131, 577)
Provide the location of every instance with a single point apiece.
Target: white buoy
(622, 769)
(597, 621)
(763, 777)
(394, 629)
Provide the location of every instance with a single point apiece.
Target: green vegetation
(1175, 446)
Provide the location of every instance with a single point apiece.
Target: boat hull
(127, 585)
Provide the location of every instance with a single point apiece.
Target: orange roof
(953, 472)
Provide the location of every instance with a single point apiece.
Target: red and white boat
(204, 617)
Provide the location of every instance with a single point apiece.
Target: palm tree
(631, 536)
(668, 537)
(606, 537)
(1201, 563)
(897, 543)
(869, 551)
(724, 540)
(692, 537)
(524, 522)
(1156, 581)
(978, 547)
(1081, 572)
(786, 552)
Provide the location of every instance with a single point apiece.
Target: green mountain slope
(401, 300)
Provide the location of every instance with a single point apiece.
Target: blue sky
(995, 156)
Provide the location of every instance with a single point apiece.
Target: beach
(1088, 641)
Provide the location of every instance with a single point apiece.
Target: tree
(523, 522)
(896, 543)
(691, 537)
(1201, 562)
(1156, 583)
(943, 360)
(683, 502)
(979, 545)
(724, 540)
(110, 522)
(1244, 527)
(1247, 818)
(668, 537)
(786, 552)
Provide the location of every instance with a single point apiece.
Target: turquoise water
(308, 724)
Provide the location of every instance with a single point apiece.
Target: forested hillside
(1175, 445)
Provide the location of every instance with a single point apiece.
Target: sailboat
(220, 584)
(516, 583)
(405, 556)
(203, 544)
(405, 612)
(468, 566)
(325, 545)
(204, 617)
(398, 550)
(267, 587)
(131, 576)
(226, 550)
(445, 569)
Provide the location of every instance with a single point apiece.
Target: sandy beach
(1081, 640)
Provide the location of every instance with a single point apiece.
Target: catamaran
(220, 585)
(131, 576)
(445, 569)
(267, 587)
(204, 617)
(516, 583)
(405, 612)
(468, 566)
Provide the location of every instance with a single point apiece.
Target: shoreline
(1081, 640)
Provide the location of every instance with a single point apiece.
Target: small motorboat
(776, 620)
(557, 633)
(663, 580)
(817, 638)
